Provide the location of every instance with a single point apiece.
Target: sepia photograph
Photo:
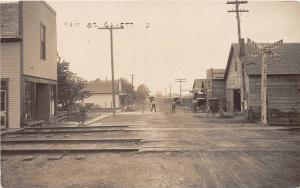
(150, 94)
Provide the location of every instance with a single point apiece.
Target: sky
(167, 40)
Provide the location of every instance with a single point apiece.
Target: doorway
(237, 100)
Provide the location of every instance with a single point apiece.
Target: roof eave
(228, 61)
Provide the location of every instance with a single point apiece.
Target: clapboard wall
(219, 90)
(283, 92)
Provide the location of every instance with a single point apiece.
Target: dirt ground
(181, 150)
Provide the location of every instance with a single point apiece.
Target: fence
(73, 115)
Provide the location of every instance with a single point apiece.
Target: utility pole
(238, 12)
(111, 28)
(132, 76)
(180, 80)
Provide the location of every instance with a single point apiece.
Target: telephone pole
(180, 80)
(238, 12)
(111, 28)
(132, 76)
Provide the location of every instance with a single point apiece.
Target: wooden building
(283, 82)
(215, 85)
(199, 87)
(28, 63)
(101, 91)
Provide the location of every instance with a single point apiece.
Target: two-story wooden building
(28, 62)
(283, 80)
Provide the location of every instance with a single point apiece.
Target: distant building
(199, 88)
(283, 81)
(212, 86)
(215, 85)
(102, 93)
(28, 62)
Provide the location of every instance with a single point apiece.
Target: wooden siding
(234, 76)
(36, 13)
(233, 80)
(290, 53)
(9, 20)
(10, 70)
(219, 91)
(215, 73)
(103, 100)
(283, 92)
(229, 100)
(289, 65)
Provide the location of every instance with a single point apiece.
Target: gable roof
(198, 83)
(101, 87)
(290, 63)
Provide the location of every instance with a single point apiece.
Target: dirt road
(181, 150)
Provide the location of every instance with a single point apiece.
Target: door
(237, 100)
(3, 112)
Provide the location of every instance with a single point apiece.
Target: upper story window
(43, 42)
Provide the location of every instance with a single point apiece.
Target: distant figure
(195, 105)
(82, 111)
(153, 105)
(173, 104)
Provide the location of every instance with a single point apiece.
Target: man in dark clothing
(153, 105)
(82, 111)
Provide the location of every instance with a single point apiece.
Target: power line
(180, 80)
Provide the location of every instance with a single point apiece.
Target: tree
(69, 85)
(142, 92)
(126, 86)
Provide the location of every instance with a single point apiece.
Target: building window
(28, 100)
(43, 41)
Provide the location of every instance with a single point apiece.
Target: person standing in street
(173, 104)
(153, 105)
(82, 112)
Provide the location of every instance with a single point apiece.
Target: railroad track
(76, 127)
(67, 131)
(57, 141)
(13, 143)
(32, 140)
